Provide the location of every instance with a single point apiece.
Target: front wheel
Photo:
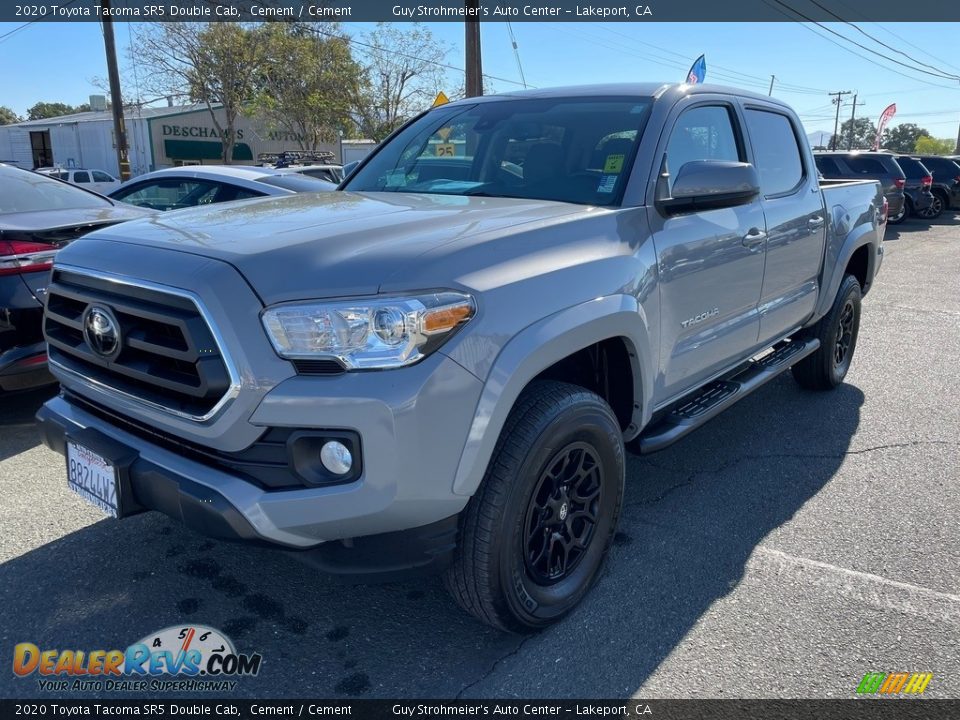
(535, 535)
(837, 331)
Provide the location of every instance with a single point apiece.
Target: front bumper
(413, 424)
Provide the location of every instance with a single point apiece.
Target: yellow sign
(446, 150)
(613, 164)
(442, 99)
(444, 133)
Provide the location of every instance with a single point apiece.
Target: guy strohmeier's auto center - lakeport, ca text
(508, 11)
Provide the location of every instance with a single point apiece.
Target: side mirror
(710, 184)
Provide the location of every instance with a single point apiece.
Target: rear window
(22, 191)
(943, 169)
(913, 169)
(867, 165)
(828, 166)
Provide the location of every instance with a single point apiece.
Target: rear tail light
(19, 256)
(927, 181)
(899, 182)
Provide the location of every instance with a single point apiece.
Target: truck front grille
(165, 354)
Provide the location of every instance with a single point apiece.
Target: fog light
(336, 457)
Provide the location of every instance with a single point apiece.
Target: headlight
(366, 333)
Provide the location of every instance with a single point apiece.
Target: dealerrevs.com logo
(177, 658)
(878, 683)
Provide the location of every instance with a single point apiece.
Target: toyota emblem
(101, 331)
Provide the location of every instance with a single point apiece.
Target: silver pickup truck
(439, 367)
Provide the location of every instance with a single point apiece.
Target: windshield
(574, 150)
(22, 191)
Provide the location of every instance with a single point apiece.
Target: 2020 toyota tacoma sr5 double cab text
(440, 366)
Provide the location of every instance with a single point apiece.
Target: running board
(694, 410)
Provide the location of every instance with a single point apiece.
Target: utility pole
(853, 117)
(116, 100)
(772, 78)
(474, 63)
(836, 121)
(957, 150)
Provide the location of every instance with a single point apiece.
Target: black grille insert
(168, 354)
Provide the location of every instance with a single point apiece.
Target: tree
(307, 83)
(403, 75)
(42, 110)
(864, 133)
(8, 116)
(903, 138)
(213, 63)
(934, 146)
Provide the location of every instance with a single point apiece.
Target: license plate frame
(93, 478)
(111, 453)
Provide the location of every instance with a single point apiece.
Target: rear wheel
(535, 535)
(837, 331)
(934, 211)
(900, 216)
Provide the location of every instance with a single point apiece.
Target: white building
(156, 137)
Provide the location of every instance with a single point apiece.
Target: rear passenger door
(795, 218)
(710, 262)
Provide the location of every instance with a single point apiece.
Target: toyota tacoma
(440, 366)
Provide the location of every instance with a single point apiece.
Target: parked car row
(923, 186)
(42, 211)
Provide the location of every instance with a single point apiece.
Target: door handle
(753, 237)
(815, 221)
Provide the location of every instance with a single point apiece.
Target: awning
(203, 150)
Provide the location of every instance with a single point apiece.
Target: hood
(40, 220)
(330, 244)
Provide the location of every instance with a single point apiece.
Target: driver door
(710, 262)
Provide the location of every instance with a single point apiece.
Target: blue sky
(56, 61)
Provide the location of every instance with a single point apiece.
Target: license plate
(92, 477)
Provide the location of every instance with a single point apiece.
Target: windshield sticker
(395, 179)
(613, 164)
(606, 183)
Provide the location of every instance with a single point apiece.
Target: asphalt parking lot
(794, 544)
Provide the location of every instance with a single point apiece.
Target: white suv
(96, 180)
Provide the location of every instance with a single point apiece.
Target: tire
(552, 492)
(935, 209)
(837, 331)
(901, 216)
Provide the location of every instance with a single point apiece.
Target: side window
(81, 176)
(702, 133)
(101, 176)
(775, 150)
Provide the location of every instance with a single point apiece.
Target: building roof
(95, 115)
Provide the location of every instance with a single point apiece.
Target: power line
(945, 75)
(516, 52)
(714, 66)
(759, 83)
(354, 41)
(847, 49)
